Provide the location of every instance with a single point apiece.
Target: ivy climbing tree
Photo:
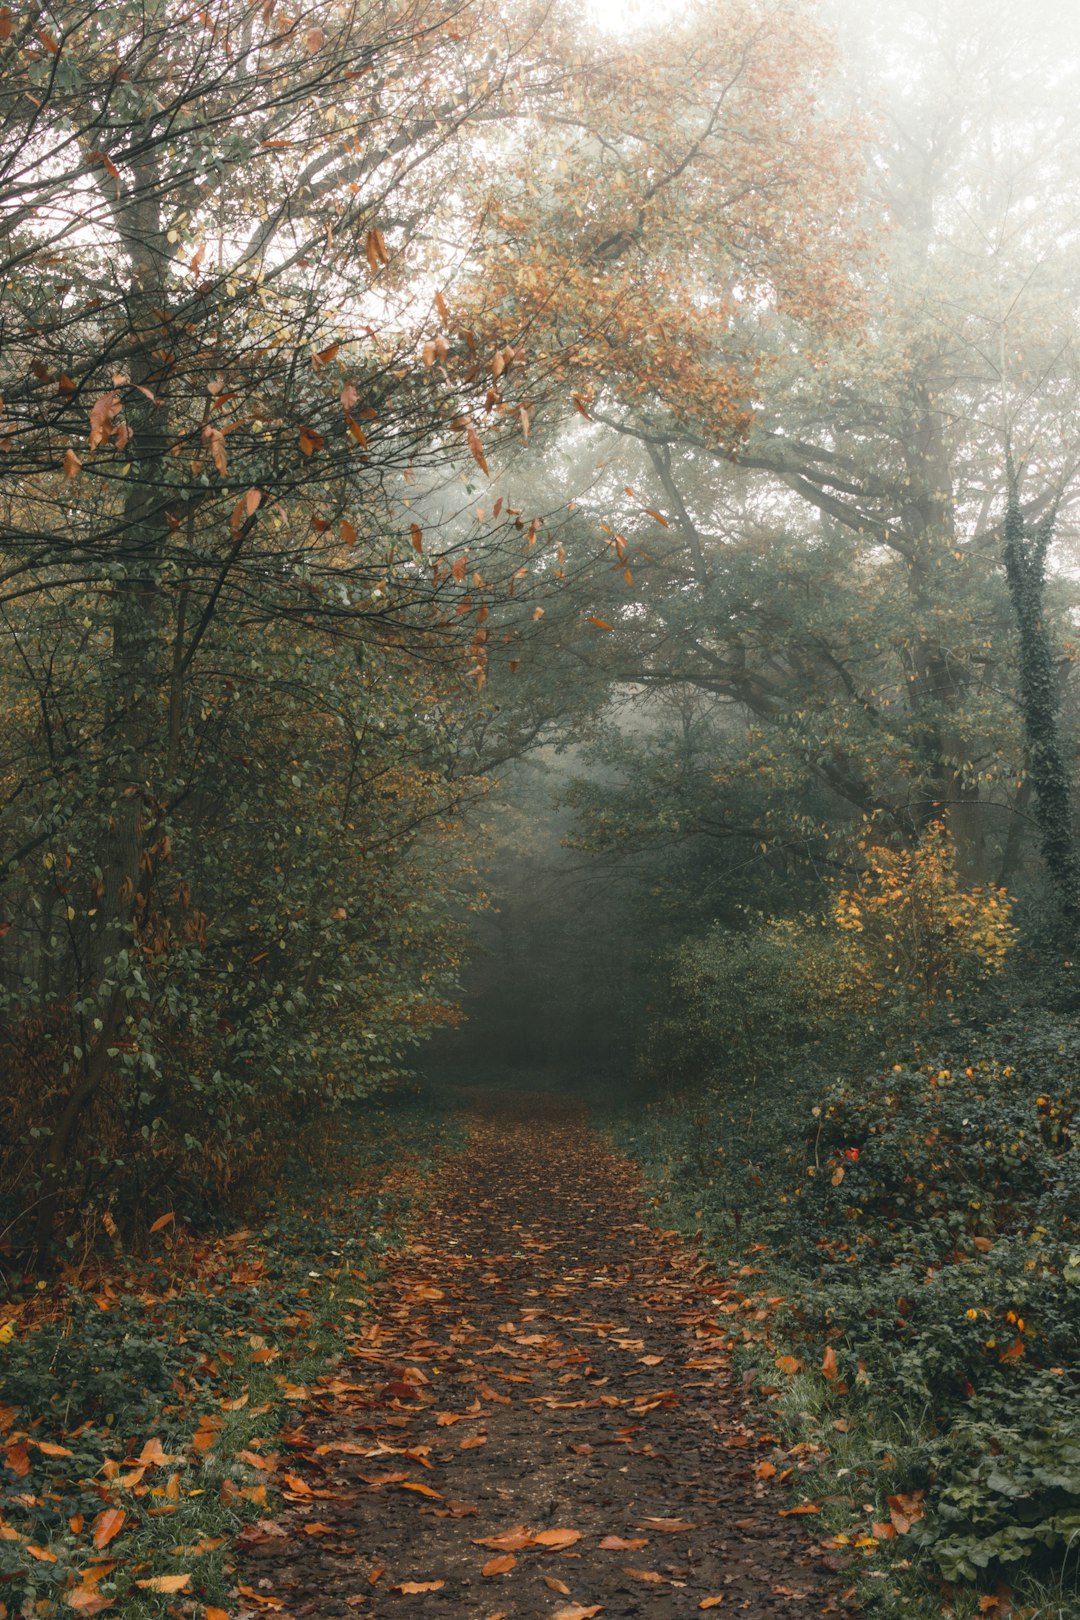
(1039, 696)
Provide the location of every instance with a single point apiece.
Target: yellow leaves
(915, 922)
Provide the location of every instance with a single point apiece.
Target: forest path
(538, 1420)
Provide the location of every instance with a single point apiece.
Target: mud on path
(539, 1419)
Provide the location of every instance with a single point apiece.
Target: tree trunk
(1025, 568)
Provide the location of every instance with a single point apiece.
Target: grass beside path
(142, 1399)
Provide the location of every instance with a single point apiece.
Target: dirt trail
(543, 1373)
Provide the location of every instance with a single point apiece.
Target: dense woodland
(539, 548)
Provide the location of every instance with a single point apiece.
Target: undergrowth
(921, 1221)
(142, 1399)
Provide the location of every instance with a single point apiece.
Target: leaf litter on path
(515, 1316)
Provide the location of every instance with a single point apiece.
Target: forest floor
(538, 1416)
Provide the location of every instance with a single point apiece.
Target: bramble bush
(922, 1218)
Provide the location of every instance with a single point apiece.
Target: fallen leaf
(499, 1566)
(828, 1363)
(666, 1524)
(419, 1586)
(165, 1583)
(652, 1575)
(506, 1540)
(557, 1538)
(624, 1544)
(711, 1602)
(108, 1524)
(554, 1585)
(88, 1600)
(803, 1507)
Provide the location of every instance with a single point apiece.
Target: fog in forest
(539, 630)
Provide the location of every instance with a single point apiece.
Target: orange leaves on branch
(476, 449)
(103, 413)
(310, 441)
(375, 248)
(214, 440)
(416, 534)
(72, 464)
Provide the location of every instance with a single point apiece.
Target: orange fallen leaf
(502, 1565)
(554, 1585)
(557, 1538)
(711, 1602)
(260, 1597)
(162, 1221)
(472, 1442)
(666, 1524)
(422, 1490)
(88, 1600)
(506, 1540)
(419, 1586)
(624, 1543)
(764, 1470)
(652, 1575)
(789, 1364)
(803, 1507)
(165, 1583)
(108, 1524)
